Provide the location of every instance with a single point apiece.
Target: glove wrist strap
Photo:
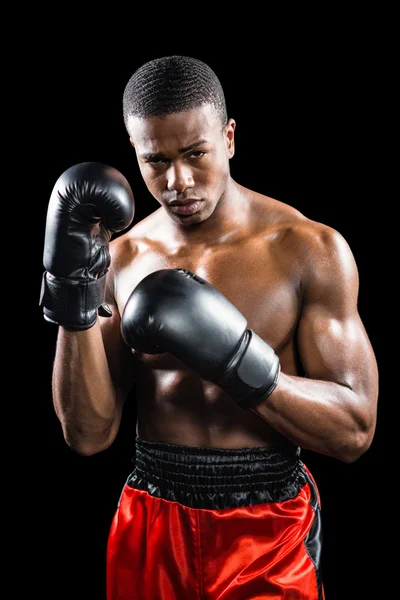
(253, 373)
(72, 303)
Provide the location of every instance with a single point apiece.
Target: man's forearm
(84, 397)
(318, 415)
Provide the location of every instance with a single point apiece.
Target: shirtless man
(236, 318)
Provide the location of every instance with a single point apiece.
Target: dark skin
(294, 279)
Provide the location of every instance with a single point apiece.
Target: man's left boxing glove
(90, 201)
(174, 310)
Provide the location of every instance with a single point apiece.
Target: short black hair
(172, 84)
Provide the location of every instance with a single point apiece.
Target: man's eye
(156, 161)
(197, 154)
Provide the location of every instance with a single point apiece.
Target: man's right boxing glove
(89, 202)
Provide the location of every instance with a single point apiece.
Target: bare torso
(257, 269)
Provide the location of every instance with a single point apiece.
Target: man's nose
(179, 178)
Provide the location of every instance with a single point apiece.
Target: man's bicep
(119, 357)
(332, 341)
(335, 348)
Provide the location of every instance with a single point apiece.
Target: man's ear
(230, 137)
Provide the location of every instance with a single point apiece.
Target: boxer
(235, 316)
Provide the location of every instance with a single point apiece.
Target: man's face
(184, 160)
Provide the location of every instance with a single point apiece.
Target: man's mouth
(185, 207)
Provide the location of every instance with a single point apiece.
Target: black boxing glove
(173, 310)
(89, 202)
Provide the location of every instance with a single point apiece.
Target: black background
(287, 138)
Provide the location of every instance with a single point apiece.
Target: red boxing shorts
(213, 524)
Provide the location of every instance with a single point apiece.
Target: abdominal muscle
(176, 406)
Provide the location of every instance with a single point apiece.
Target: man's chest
(259, 283)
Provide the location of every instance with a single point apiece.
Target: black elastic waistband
(191, 474)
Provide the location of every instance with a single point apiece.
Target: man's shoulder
(310, 233)
(291, 222)
(318, 251)
(298, 237)
(319, 239)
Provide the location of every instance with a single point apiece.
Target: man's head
(175, 113)
(172, 84)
